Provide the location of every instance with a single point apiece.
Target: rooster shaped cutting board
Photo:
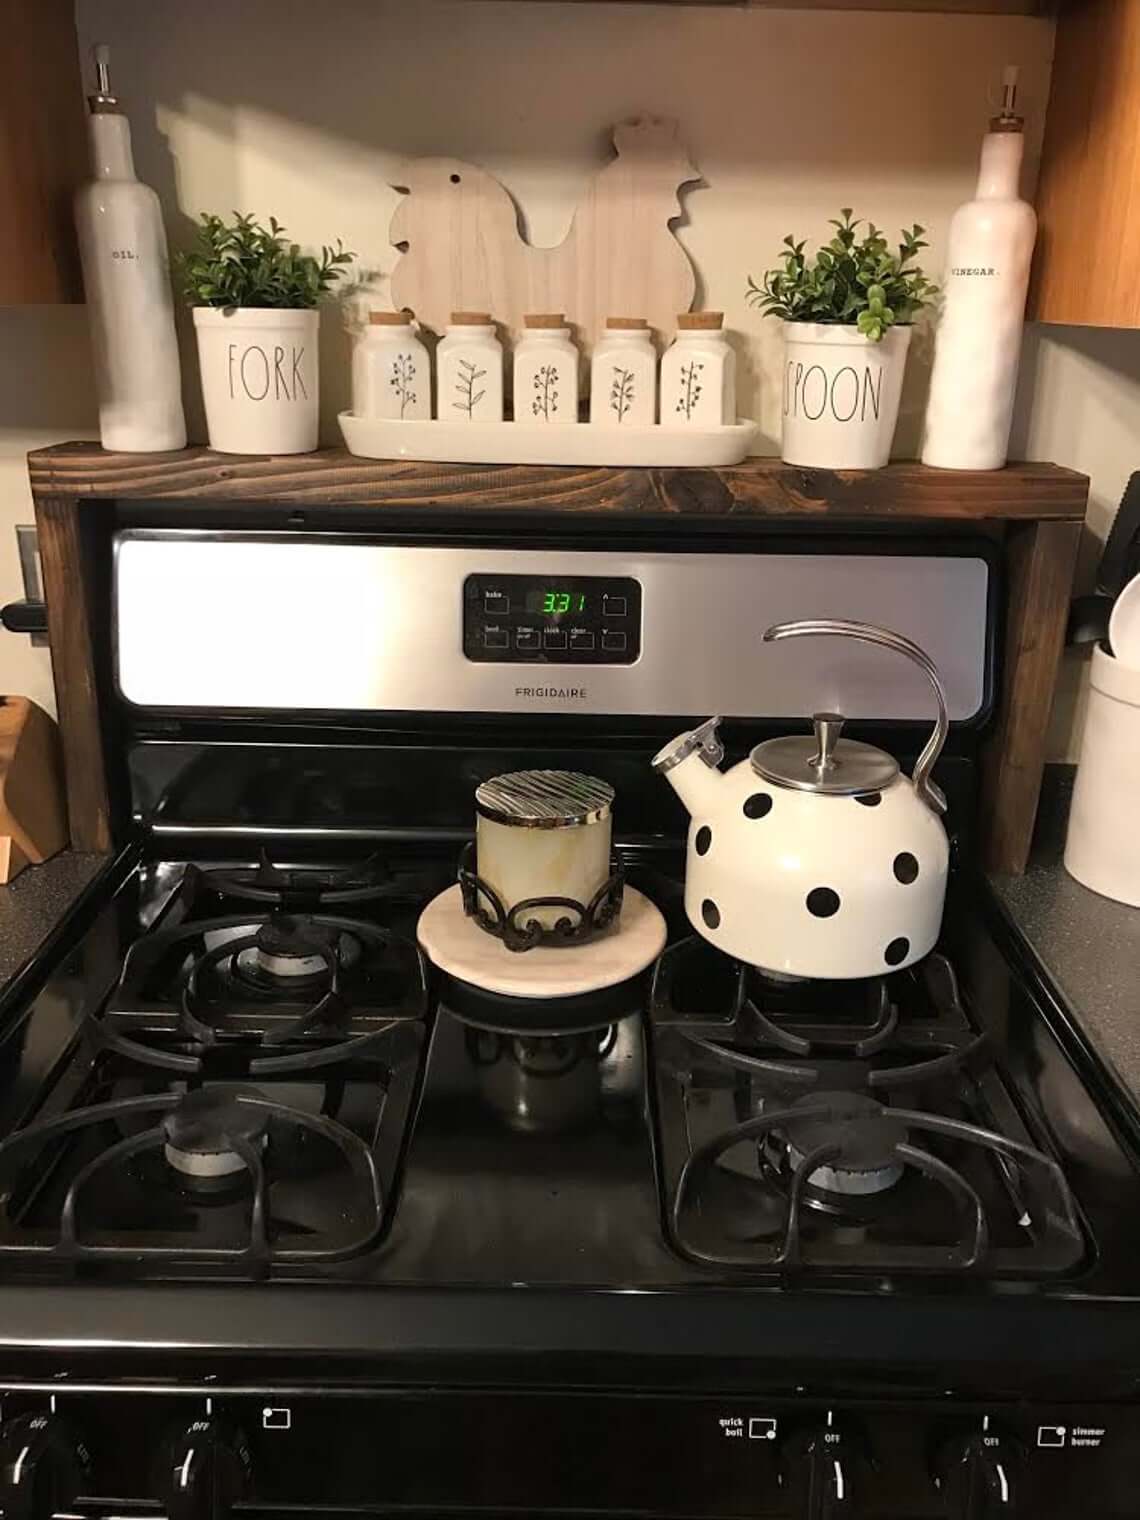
(464, 250)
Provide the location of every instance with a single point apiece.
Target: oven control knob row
(44, 1466)
(976, 1476)
(204, 1471)
(820, 1466)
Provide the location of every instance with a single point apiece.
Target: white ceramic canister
(544, 834)
(978, 349)
(623, 374)
(698, 373)
(122, 244)
(260, 371)
(469, 370)
(1102, 849)
(841, 394)
(391, 370)
(546, 371)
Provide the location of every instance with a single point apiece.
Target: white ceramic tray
(543, 443)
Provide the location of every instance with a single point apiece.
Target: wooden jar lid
(700, 321)
(627, 324)
(390, 318)
(471, 319)
(545, 319)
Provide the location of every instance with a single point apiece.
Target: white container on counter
(1102, 849)
(623, 375)
(543, 834)
(391, 370)
(698, 373)
(469, 370)
(546, 371)
(126, 278)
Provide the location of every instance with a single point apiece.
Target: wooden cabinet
(43, 151)
(1087, 269)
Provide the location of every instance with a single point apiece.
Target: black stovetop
(248, 1072)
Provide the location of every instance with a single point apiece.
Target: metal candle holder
(580, 923)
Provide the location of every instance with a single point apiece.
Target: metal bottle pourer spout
(1008, 120)
(103, 99)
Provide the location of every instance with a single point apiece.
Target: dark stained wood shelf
(759, 487)
(1034, 511)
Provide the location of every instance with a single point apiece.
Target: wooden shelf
(757, 488)
(1034, 511)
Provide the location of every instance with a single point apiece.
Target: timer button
(615, 642)
(613, 606)
(527, 639)
(581, 640)
(495, 603)
(496, 638)
(554, 638)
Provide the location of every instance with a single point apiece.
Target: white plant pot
(840, 395)
(1103, 846)
(259, 378)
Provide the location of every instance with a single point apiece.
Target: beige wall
(274, 106)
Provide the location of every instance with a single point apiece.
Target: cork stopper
(390, 318)
(545, 319)
(627, 324)
(471, 319)
(700, 321)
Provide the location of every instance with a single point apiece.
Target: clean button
(581, 640)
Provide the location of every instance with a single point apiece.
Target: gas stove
(334, 1230)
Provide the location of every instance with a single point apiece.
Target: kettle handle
(866, 633)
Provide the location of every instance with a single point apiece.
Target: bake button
(613, 606)
(581, 640)
(496, 638)
(495, 604)
(614, 642)
(554, 638)
(527, 639)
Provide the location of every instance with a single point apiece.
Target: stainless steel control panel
(241, 622)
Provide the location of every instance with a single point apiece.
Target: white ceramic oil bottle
(126, 278)
(979, 337)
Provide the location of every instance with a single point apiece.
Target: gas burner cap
(287, 947)
(866, 1134)
(201, 1131)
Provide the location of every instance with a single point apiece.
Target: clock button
(554, 638)
(615, 642)
(580, 640)
(496, 638)
(527, 638)
(613, 606)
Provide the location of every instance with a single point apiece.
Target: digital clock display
(553, 601)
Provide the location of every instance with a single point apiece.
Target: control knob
(43, 1466)
(204, 1471)
(975, 1475)
(820, 1462)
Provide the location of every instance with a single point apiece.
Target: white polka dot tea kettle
(815, 857)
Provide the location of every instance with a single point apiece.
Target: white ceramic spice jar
(698, 373)
(623, 374)
(391, 370)
(546, 371)
(543, 834)
(469, 370)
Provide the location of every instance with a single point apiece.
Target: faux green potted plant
(847, 315)
(256, 319)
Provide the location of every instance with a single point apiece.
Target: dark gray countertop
(1088, 945)
(32, 905)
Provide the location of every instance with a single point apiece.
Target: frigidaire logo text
(551, 691)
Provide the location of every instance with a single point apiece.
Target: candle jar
(544, 834)
(623, 374)
(391, 370)
(698, 374)
(469, 370)
(546, 371)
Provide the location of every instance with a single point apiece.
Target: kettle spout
(689, 764)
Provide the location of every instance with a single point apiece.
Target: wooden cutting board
(33, 816)
(464, 250)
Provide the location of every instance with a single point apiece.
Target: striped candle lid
(544, 799)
